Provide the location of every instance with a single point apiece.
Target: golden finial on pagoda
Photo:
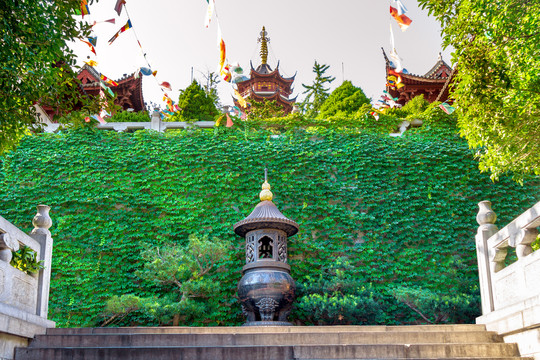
(265, 194)
(264, 45)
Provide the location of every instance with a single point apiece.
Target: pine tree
(317, 91)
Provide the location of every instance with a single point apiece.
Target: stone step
(380, 351)
(261, 329)
(318, 338)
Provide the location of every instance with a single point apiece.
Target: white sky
(348, 32)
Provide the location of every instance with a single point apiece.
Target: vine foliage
(382, 220)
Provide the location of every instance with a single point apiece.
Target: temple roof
(265, 71)
(129, 89)
(441, 70)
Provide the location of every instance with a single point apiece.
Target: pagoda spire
(264, 45)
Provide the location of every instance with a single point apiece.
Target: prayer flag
(92, 40)
(396, 74)
(146, 71)
(165, 85)
(375, 115)
(154, 73)
(84, 8)
(225, 73)
(92, 49)
(401, 9)
(229, 121)
(396, 61)
(122, 29)
(447, 108)
(218, 121)
(108, 81)
(99, 118)
(118, 6)
(105, 87)
(209, 13)
(236, 78)
(402, 20)
(240, 99)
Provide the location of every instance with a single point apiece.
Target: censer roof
(266, 215)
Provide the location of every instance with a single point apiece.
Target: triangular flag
(108, 81)
(93, 40)
(229, 121)
(84, 8)
(402, 20)
(122, 29)
(92, 49)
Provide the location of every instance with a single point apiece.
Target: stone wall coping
(16, 233)
(527, 220)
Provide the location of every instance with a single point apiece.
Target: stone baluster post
(42, 222)
(486, 218)
(155, 121)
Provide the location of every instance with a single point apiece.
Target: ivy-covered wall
(398, 213)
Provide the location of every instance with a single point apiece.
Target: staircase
(270, 343)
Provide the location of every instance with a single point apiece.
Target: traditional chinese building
(433, 85)
(265, 83)
(128, 92)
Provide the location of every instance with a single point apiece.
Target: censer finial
(265, 194)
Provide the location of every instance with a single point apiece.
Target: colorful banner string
(231, 74)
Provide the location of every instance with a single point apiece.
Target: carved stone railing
(510, 292)
(23, 297)
(155, 123)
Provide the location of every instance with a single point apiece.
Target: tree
(317, 91)
(210, 88)
(344, 101)
(195, 104)
(181, 273)
(36, 62)
(497, 86)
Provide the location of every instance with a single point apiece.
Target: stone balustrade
(24, 297)
(155, 123)
(510, 291)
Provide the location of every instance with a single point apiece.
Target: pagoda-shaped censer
(266, 289)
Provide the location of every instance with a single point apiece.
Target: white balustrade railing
(24, 297)
(510, 291)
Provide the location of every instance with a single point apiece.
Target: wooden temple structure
(128, 92)
(266, 84)
(434, 84)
